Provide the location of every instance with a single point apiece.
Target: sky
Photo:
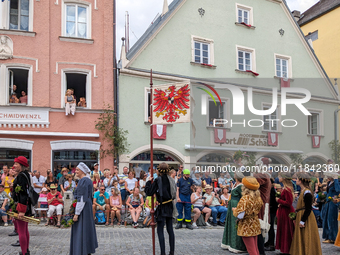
(143, 12)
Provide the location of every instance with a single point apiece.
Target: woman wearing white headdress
(83, 233)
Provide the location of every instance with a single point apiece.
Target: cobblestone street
(124, 240)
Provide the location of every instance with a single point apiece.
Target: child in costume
(247, 211)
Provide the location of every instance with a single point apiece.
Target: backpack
(33, 196)
(100, 217)
(200, 221)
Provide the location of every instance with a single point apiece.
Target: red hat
(22, 161)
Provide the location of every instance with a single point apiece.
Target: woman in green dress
(231, 241)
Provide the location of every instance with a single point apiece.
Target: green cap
(186, 171)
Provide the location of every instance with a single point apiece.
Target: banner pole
(151, 166)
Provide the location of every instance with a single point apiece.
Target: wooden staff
(151, 165)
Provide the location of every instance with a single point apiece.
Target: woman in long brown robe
(306, 240)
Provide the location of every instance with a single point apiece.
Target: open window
(147, 102)
(314, 124)
(270, 121)
(18, 85)
(217, 111)
(77, 83)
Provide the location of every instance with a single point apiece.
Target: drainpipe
(115, 95)
(336, 135)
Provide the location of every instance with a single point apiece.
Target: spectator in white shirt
(130, 182)
(38, 181)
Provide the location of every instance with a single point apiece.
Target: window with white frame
(270, 121)
(202, 53)
(19, 14)
(314, 124)
(281, 67)
(217, 111)
(18, 79)
(243, 15)
(202, 50)
(77, 83)
(244, 60)
(77, 21)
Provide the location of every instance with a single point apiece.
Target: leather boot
(189, 226)
(179, 225)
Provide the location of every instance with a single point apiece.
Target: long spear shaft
(151, 165)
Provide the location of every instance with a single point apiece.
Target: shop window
(18, 85)
(19, 15)
(77, 83)
(77, 21)
(7, 156)
(71, 158)
(216, 111)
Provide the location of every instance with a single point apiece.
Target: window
(313, 36)
(77, 21)
(19, 15)
(244, 60)
(243, 16)
(147, 102)
(270, 121)
(202, 53)
(71, 158)
(18, 85)
(313, 124)
(7, 156)
(281, 67)
(216, 111)
(77, 82)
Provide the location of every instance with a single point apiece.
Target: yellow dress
(7, 187)
(250, 224)
(337, 241)
(306, 241)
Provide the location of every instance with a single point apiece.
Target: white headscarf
(83, 167)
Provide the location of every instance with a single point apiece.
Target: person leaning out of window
(70, 103)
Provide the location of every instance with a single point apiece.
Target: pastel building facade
(48, 47)
(249, 44)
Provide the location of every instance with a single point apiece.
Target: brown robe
(306, 241)
(265, 187)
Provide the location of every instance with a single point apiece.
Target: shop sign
(23, 116)
(247, 140)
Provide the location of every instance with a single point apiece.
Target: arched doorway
(313, 160)
(142, 160)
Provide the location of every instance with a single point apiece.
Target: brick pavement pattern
(125, 240)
